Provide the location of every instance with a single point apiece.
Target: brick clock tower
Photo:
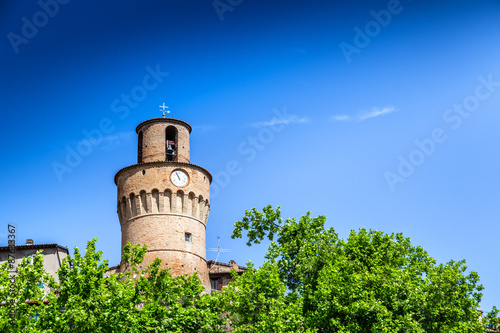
(163, 200)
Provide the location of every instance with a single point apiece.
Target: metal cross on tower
(164, 107)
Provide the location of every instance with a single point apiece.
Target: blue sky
(375, 114)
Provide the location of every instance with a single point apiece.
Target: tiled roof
(35, 246)
(212, 263)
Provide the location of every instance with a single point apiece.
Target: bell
(170, 150)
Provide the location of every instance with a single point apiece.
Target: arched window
(155, 194)
(192, 204)
(124, 209)
(139, 148)
(168, 204)
(133, 205)
(171, 143)
(179, 205)
(144, 203)
(201, 207)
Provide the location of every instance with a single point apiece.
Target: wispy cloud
(364, 115)
(375, 112)
(341, 117)
(289, 119)
(112, 141)
(107, 142)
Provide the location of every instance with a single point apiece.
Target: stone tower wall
(153, 142)
(155, 212)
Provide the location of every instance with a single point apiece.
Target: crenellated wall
(163, 202)
(146, 189)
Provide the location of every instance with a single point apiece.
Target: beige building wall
(53, 255)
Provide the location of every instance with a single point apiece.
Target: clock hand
(178, 176)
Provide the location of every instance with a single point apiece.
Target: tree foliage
(256, 302)
(369, 282)
(311, 281)
(21, 296)
(86, 299)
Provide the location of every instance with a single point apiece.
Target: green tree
(87, 299)
(22, 294)
(256, 302)
(370, 282)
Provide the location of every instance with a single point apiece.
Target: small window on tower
(187, 237)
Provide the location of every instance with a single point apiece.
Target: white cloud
(364, 115)
(341, 117)
(290, 119)
(106, 142)
(114, 140)
(375, 112)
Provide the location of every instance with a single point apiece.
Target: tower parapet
(164, 201)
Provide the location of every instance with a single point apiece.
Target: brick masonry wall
(155, 212)
(153, 142)
(165, 238)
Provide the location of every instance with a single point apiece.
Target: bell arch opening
(171, 143)
(139, 148)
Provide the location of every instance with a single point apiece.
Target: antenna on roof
(218, 249)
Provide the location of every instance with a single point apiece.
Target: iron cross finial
(164, 107)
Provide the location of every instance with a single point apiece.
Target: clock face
(179, 178)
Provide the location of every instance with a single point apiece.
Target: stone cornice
(163, 120)
(164, 163)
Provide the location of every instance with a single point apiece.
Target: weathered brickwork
(170, 220)
(153, 142)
